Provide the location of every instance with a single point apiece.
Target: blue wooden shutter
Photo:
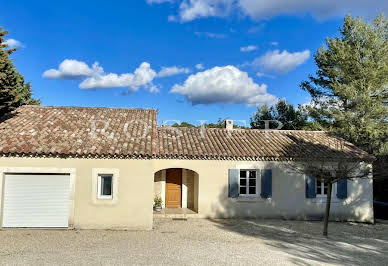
(342, 188)
(310, 187)
(266, 183)
(234, 175)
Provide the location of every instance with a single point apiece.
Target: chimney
(229, 124)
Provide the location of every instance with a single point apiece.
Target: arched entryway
(178, 188)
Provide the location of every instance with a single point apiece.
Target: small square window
(105, 186)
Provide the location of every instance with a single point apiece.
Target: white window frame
(96, 186)
(321, 195)
(247, 186)
(99, 183)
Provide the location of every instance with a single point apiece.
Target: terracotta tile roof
(78, 132)
(251, 144)
(133, 133)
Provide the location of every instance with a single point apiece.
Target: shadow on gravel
(348, 243)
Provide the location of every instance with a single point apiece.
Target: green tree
(13, 91)
(350, 86)
(282, 114)
(262, 114)
(219, 124)
(183, 124)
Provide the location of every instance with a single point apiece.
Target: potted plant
(158, 203)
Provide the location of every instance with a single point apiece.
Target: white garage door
(32, 200)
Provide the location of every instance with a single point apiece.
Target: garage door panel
(36, 200)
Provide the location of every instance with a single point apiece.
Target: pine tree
(349, 91)
(13, 91)
(282, 115)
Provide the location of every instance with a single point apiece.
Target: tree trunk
(327, 211)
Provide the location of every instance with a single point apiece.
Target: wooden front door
(173, 188)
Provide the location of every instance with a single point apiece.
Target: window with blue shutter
(233, 176)
(266, 183)
(310, 187)
(342, 188)
(248, 183)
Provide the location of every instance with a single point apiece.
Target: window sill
(251, 199)
(324, 200)
(104, 198)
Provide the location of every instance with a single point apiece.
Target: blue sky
(221, 58)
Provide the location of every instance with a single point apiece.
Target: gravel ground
(202, 242)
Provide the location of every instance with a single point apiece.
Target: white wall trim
(163, 189)
(184, 188)
(115, 182)
(36, 170)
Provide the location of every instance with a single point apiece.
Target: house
(77, 167)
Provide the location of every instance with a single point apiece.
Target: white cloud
(12, 43)
(256, 29)
(281, 62)
(321, 9)
(142, 77)
(227, 85)
(260, 74)
(211, 34)
(193, 9)
(199, 66)
(154, 89)
(323, 102)
(72, 69)
(264, 75)
(95, 78)
(171, 71)
(274, 43)
(248, 48)
(172, 18)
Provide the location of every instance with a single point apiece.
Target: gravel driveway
(202, 242)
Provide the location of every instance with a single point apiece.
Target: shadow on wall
(289, 202)
(348, 243)
(380, 187)
(288, 199)
(359, 203)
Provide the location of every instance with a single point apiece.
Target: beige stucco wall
(288, 193)
(132, 209)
